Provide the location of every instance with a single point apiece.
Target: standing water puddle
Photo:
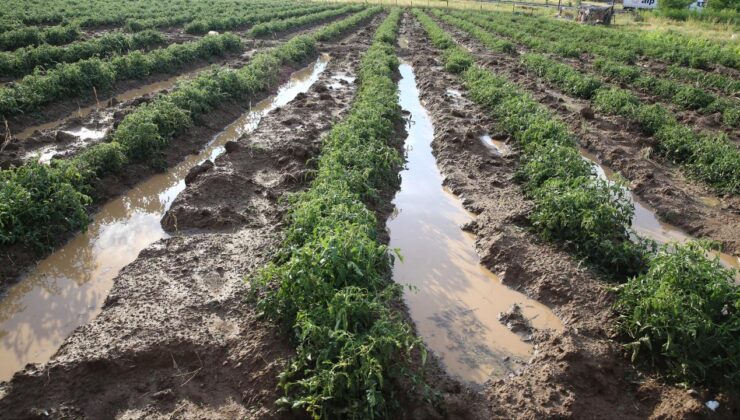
(68, 288)
(456, 301)
(646, 223)
(125, 96)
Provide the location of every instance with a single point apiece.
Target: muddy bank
(620, 145)
(579, 372)
(17, 259)
(175, 337)
(61, 109)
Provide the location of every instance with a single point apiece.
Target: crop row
(678, 307)
(22, 37)
(569, 41)
(329, 283)
(24, 60)
(132, 14)
(80, 78)
(681, 95)
(233, 21)
(280, 25)
(40, 202)
(711, 158)
(667, 46)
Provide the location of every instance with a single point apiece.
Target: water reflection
(457, 301)
(646, 222)
(68, 288)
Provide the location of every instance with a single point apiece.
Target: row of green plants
(711, 158)
(709, 80)
(567, 40)
(85, 77)
(329, 283)
(708, 157)
(230, 22)
(145, 14)
(25, 36)
(491, 42)
(681, 95)
(281, 25)
(684, 96)
(40, 202)
(678, 309)
(24, 60)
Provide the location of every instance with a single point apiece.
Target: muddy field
(151, 311)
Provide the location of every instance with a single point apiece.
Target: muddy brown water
(68, 288)
(454, 301)
(125, 96)
(646, 223)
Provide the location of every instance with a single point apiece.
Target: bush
(457, 60)
(38, 203)
(615, 101)
(683, 315)
(692, 98)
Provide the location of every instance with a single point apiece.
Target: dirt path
(176, 338)
(580, 372)
(618, 144)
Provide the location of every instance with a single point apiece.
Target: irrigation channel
(68, 288)
(122, 97)
(454, 301)
(646, 222)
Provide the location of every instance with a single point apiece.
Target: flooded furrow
(646, 223)
(68, 288)
(454, 301)
(128, 95)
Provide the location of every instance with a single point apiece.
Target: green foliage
(457, 60)
(38, 203)
(561, 75)
(684, 316)
(22, 37)
(280, 25)
(440, 39)
(615, 101)
(712, 159)
(329, 282)
(680, 308)
(491, 42)
(25, 60)
(674, 4)
(77, 79)
(591, 217)
(203, 25)
(36, 195)
(333, 30)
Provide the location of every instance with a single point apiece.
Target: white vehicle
(653, 4)
(698, 5)
(639, 4)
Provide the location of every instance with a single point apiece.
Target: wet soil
(579, 372)
(456, 304)
(176, 337)
(620, 145)
(18, 259)
(61, 109)
(76, 278)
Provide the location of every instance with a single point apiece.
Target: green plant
(38, 203)
(329, 281)
(683, 315)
